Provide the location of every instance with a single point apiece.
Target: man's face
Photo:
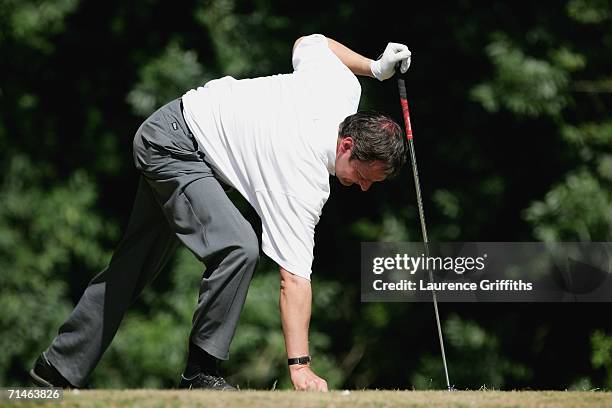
(351, 172)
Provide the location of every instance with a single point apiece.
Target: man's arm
(380, 69)
(358, 64)
(295, 305)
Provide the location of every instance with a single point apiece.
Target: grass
(352, 399)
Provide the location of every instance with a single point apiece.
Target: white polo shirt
(274, 140)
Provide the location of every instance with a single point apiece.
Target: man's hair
(376, 137)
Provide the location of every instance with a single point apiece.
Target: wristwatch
(299, 360)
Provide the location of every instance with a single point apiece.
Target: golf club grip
(404, 102)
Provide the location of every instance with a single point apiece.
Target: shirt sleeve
(287, 231)
(312, 50)
(331, 84)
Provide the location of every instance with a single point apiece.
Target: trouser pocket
(166, 131)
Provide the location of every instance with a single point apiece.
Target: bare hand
(304, 379)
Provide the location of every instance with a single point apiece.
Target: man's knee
(249, 249)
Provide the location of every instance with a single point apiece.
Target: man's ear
(346, 143)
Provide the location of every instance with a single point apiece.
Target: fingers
(399, 53)
(396, 47)
(395, 53)
(402, 55)
(405, 65)
(310, 382)
(318, 384)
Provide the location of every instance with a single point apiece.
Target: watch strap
(299, 360)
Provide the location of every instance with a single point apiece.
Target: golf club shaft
(415, 173)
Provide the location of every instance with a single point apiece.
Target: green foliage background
(511, 109)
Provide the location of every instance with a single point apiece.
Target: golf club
(404, 102)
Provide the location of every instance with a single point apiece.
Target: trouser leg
(179, 197)
(228, 246)
(144, 250)
(205, 220)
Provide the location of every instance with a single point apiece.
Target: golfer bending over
(276, 140)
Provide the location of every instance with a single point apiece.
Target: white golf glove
(384, 67)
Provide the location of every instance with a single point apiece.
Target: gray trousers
(178, 199)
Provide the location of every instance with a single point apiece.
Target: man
(274, 139)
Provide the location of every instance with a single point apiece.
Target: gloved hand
(384, 67)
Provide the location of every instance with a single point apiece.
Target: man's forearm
(357, 63)
(295, 307)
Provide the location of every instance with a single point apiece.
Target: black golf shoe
(45, 375)
(203, 381)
